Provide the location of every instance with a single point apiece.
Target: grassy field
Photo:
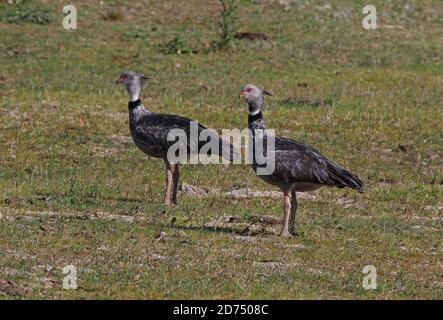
(75, 190)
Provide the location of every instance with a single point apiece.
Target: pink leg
(287, 208)
(168, 186)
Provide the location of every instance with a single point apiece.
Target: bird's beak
(242, 94)
(266, 92)
(117, 82)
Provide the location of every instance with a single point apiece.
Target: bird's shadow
(228, 230)
(243, 230)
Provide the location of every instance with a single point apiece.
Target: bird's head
(132, 81)
(253, 95)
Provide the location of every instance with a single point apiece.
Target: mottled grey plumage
(150, 133)
(298, 167)
(150, 130)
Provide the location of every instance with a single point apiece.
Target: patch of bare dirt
(196, 191)
(434, 208)
(274, 265)
(241, 193)
(112, 115)
(92, 215)
(265, 219)
(249, 193)
(345, 202)
(253, 226)
(13, 272)
(156, 257)
(122, 140)
(101, 215)
(256, 230)
(12, 289)
(48, 283)
(225, 219)
(423, 218)
(20, 255)
(247, 238)
(418, 227)
(101, 151)
(295, 247)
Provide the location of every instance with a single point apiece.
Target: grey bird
(298, 167)
(150, 130)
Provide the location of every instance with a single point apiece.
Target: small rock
(160, 236)
(103, 247)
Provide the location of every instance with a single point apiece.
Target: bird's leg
(294, 206)
(287, 207)
(176, 178)
(168, 186)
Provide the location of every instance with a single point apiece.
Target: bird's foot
(170, 202)
(291, 230)
(285, 233)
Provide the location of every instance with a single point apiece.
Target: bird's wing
(154, 129)
(305, 164)
(283, 143)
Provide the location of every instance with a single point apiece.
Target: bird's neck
(136, 110)
(255, 105)
(134, 92)
(258, 133)
(134, 96)
(256, 121)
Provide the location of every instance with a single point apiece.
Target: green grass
(69, 186)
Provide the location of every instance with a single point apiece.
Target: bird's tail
(344, 178)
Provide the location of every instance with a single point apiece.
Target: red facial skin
(245, 92)
(121, 79)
